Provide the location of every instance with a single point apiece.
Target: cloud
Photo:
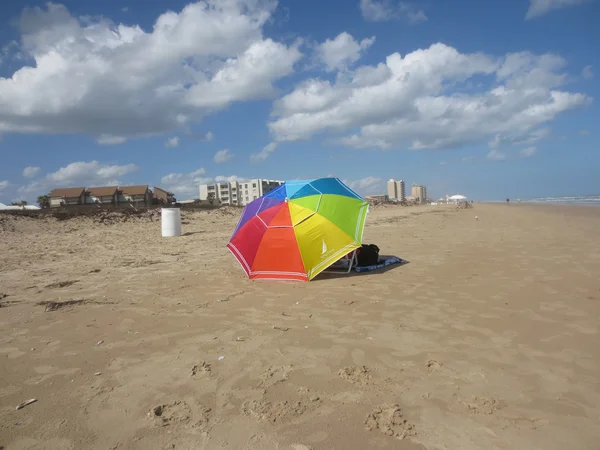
(538, 8)
(342, 51)
(587, 73)
(584, 132)
(117, 81)
(222, 156)
(3, 185)
(206, 137)
(495, 142)
(30, 171)
(382, 10)
(367, 185)
(496, 155)
(187, 185)
(172, 142)
(528, 152)
(125, 9)
(80, 173)
(184, 185)
(264, 153)
(420, 101)
(107, 139)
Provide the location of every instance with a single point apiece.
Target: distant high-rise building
(419, 192)
(396, 190)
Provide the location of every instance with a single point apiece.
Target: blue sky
(488, 99)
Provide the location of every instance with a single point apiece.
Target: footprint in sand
(180, 413)
(355, 374)
(390, 421)
(176, 412)
(433, 365)
(273, 412)
(483, 405)
(274, 375)
(277, 412)
(200, 370)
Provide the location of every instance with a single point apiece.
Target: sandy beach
(486, 339)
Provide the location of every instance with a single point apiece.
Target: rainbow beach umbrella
(299, 229)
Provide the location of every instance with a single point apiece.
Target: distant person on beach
(507, 201)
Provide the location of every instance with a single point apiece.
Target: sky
(490, 99)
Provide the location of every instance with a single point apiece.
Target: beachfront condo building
(237, 192)
(396, 190)
(419, 192)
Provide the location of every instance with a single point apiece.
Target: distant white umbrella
(458, 197)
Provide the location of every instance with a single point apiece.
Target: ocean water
(574, 200)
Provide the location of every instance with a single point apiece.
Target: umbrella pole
(351, 264)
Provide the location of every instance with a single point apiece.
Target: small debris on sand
(281, 328)
(26, 403)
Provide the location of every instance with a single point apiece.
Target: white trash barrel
(171, 222)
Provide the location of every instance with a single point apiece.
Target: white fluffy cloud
(184, 185)
(342, 51)
(264, 153)
(172, 142)
(187, 185)
(540, 7)
(367, 185)
(587, 73)
(30, 171)
(222, 156)
(382, 10)
(80, 173)
(115, 81)
(528, 152)
(3, 185)
(430, 98)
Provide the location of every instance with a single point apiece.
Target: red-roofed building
(101, 195)
(67, 196)
(136, 195)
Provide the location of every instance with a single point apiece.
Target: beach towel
(384, 261)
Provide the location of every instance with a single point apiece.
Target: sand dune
(487, 339)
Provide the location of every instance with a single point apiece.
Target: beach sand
(487, 338)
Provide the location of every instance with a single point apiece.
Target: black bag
(367, 255)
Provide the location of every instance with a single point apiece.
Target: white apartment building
(237, 192)
(419, 192)
(396, 190)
